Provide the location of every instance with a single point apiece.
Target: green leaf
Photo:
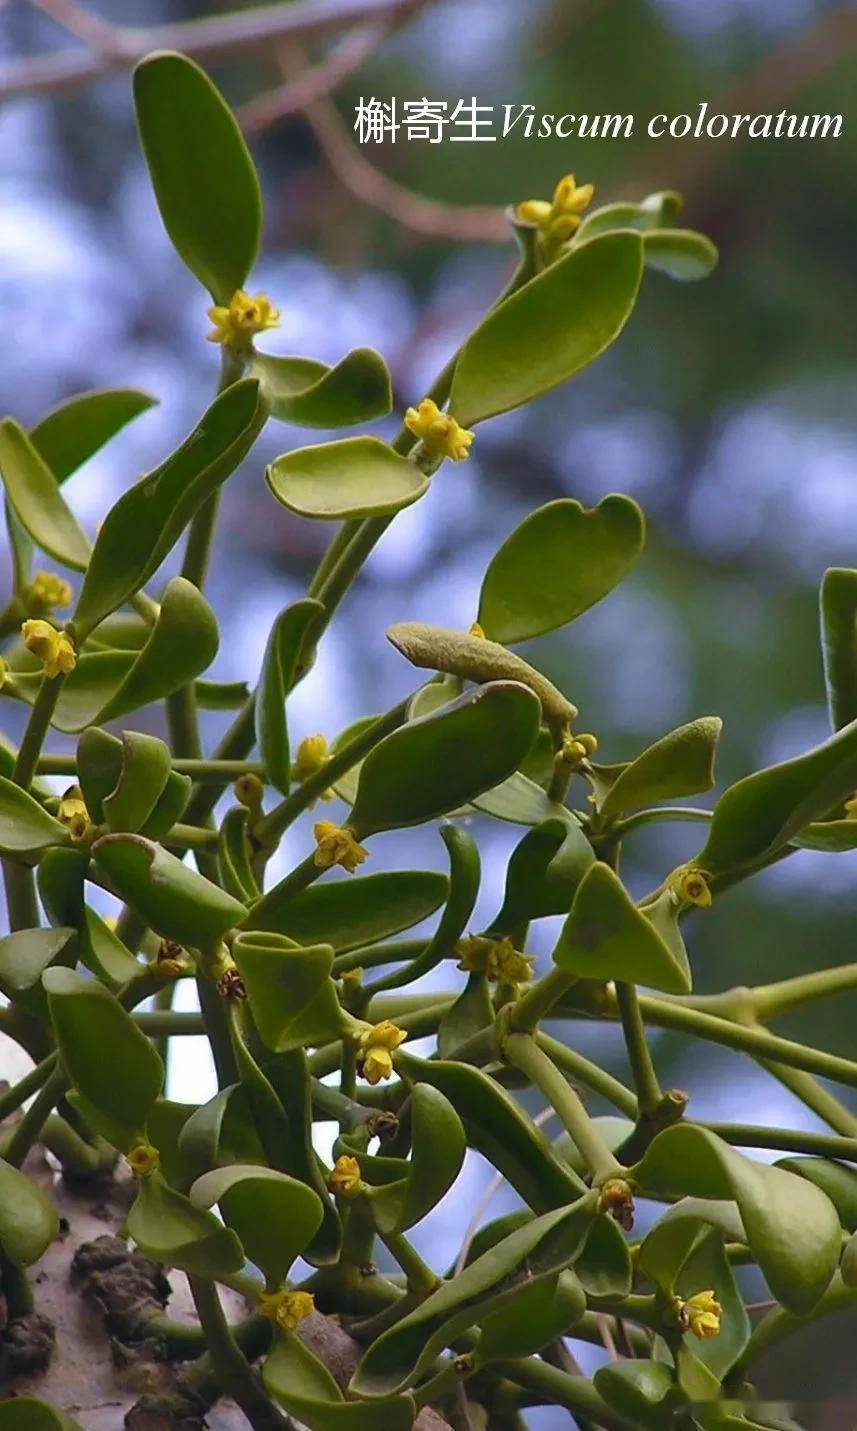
(607, 937)
(28, 1413)
(204, 179)
(540, 1248)
(791, 1225)
(683, 254)
(684, 1254)
(75, 430)
(280, 667)
(837, 1180)
(290, 1077)
(543, 873)
(759, 815)
(94, 1033)
(656, 211)
(680, 763)
(28, 1219)
(561, 560)
(26, 830)
(542, 1311)
(466, 1016)
(522, 802)
(145, 768)
(438, 1145)
(274, 1216)
(311, 394)
(148, 519)
(350, 913)
(830, 836)
(234, 856)
(497, 1127)
(36, 499)
(604, 1265)
(294, 1376)
(220, 1133)
(839, 643)
(354, 477)
(550, 329)
(439, 762)
(24, 957)
(61, 881)
(168, 1228)
(641, 1390)
(173, 899)
(292, 997)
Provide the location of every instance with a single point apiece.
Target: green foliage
(302, 1028)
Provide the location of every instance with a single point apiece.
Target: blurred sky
(726, 409)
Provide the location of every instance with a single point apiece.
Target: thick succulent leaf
(35, 497)
(95, 1033)
(438, 1145)
(25, 955)
(683, 254)
(520, 801)
(350, 913)
(656, 211)
(220, 1133)
(604, 1266)
(173, 899)
(147, 521)
(543, 1311)
(292, 997)
(543, 873)
(274, 1216)
(234, 858)
(168, 1228)
(311, 394)
(75, 430)
(498, 1128)
(561, 560)
(830, 836)
(684, 1254)
(204, 179)
(28, 1219)
(640, 1390)
(791, 1225)
(354, 477)
(759, 815)
(468, 1014)
(290, 1077)
(143, 774)
(540, 1248)
(280, 667)
(61, 881)
(680, 763)
(28, 1413)
(607, 937)
(439, 762)
(839, 643)
(26, 830)
(295, 1377)
(837, 1180)
(550, 329)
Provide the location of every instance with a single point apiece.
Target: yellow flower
(440, 432)
(344, 1181)
(497, 959)
(311, 756)
(287, 1309)
(851, 807)
(336, 845)
(558, 220)
(72, 813)
(4, 669)
(53, 648)
(691, 887)
(236, 325)
(375, 1049)
(142, 1159)
(576, 748)
(701, 1314)
(45, 591)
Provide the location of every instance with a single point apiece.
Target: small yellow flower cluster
(558, 220)
(45, 591)
(576, 748)
(287, 1309)
(344, 1180)
(701, 1315)
(375, 1050)
(336, 845)
(142, 1159)
(851, 807)
(4, 668)
(497, 959)
(442, 435)
(310, 757)
(72, 813)
(237, 324)
(691, 887)
(53, 648)
(617, 1199)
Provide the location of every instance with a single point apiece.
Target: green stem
(371, 955)
(816, 1097)
(207, 770)
(771, 1001)
(537, 1002)
(190, 837)
(12, 1099)
(37, 728)
(234, 1372)
(556, 1388)
(169, 1023)
(649, 1094)
(786, 1140)
(589, 1074)
(523, 1051)
(30, 1126)
(267, 1111)
(687, 814)
(421, 1280)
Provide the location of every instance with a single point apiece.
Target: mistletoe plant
(301, 978)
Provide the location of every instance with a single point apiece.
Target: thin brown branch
(99, 35)
(209, 39)
(320, 80)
